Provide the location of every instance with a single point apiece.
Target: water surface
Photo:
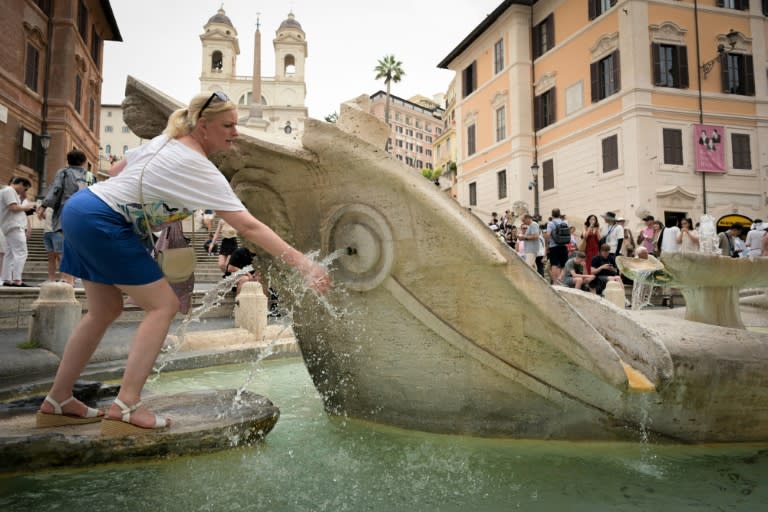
(311, 462)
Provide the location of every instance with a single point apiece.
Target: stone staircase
(36, 269)
(16, 303)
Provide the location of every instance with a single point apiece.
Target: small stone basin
(203, 421)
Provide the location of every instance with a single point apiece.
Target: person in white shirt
(15, 228)
(669, 238)
(755, 237)
(107, 230)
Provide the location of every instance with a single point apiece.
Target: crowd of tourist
(585, 258)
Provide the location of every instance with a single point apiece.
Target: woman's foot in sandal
(69, 412)
(124, 420)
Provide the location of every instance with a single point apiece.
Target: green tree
(391, 70)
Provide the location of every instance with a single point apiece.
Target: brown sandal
(58, 419)
(112, 427)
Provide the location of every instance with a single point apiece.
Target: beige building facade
(280, 108)
(606, 97)
(415, 123)
(115, 138)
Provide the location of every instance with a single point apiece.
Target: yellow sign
(726, 221)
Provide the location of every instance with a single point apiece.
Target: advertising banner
(709, 147)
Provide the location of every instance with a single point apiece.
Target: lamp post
(535, 185)
(45, 143)
(732, 36)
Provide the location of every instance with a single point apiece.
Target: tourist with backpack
(558, 236)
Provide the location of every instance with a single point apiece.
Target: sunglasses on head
(218, 95)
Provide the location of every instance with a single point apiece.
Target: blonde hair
(183, 121)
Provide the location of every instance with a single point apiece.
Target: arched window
(217, 61)
(245, 99)
(289, 65)
(108, 149)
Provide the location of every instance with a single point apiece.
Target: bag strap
(141, 189)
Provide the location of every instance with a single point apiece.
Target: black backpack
(561, 235)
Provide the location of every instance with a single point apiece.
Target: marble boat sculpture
(446, 329)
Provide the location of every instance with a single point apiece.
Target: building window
(78, 93)
(399, 143)
(670, 65)
(610, 153)
(44, 5)
(125, 149)
(428, 152)
(469, 79)
(544, 36)
(125, 129)
(31, 73)
(91, 113)
(428, 138)
(673, 146)
(108, 129)
(605, 76)
(598, 7)
(30, 151)
(82, 20)
(471, 142)
(544, 109)
(95, 46)
(501, 182)
(473, 194)
(738, 74)
(742, 159)
(741, 5)
(108, 149)
(501, 124)
(548, 174)
(498, 56)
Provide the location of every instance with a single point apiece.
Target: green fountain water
(313, 462)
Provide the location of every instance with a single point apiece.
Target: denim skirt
(101, 246)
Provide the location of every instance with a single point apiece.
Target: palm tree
(391, 70)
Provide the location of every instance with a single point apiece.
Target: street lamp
(45, 143)
(535, 186)
(732, 36)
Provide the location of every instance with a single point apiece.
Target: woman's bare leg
(105, 303)
(160, 305)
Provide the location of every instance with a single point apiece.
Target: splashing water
(642, 289)
(708, 241)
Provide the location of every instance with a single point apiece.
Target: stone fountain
(446, 329)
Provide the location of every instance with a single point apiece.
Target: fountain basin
(203, 421)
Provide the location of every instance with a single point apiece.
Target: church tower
(220, 51)
(290, 50)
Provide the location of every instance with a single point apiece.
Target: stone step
(16, 306)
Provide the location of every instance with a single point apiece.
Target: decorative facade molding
(604, 46)
(743, 43)
(676, 192)
(499, 99)
(34, 34)
(667, 32)
(470, 117)
(81, 63)
(545, 82)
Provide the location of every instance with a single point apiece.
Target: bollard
(55, 314)
(251, 309)
(614, 293)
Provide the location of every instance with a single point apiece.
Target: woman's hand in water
(317, 278)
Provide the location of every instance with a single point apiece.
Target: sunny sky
(161, 44)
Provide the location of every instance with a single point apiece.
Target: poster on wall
(709, 147)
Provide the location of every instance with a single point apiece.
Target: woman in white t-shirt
(106, 246)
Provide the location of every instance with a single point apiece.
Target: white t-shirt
(755, 242)
(11, 220)
(669, 239)
(177, 181)
(612, 233)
